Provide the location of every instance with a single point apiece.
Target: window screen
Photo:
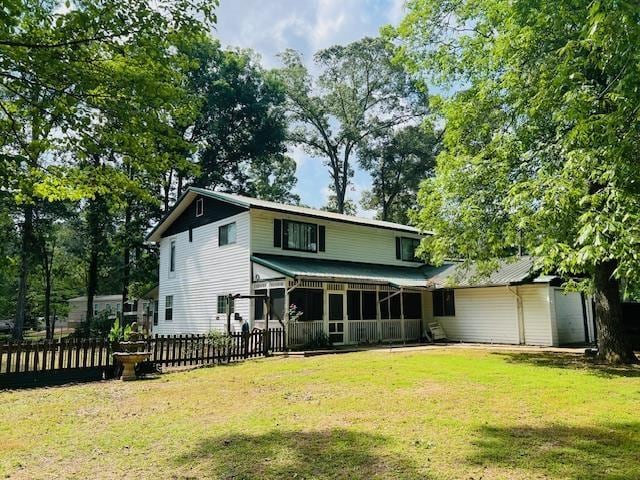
(369, 306)
(300, 236)
(412, 303)
(309, 301)
(353, 305)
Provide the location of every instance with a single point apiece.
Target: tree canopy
(358, 93)
(541, 141)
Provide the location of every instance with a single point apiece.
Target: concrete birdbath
(129, 361)
(131, 353)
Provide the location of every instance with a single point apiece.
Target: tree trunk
(93, 224)
(613, 346)
(25, 256)
(47, 304)
(126, 255)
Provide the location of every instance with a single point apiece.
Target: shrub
(319, 340)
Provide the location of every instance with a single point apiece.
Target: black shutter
(277, 232)
(398, 248)
(321, 238)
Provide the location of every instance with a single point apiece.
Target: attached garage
(482, 315)
(510, 307)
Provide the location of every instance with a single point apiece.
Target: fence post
(267, 339)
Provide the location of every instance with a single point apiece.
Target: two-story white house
(357, 280)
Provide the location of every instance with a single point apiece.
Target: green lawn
(436, 414)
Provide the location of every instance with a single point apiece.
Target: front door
(336, 311)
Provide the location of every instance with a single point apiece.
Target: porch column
(378, 314)
(325, 310)
(402, 329)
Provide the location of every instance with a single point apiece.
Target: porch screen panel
(412, 303)
(369, 306)
(258, 306)
(396, 309)
(309, 301)
(277, 304)
(353, 304)
(336, 311)
(384, 305)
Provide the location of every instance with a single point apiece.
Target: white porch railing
(359, 331)
(363, 331)
(303, 332)
(412, 329)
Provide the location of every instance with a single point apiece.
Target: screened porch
(345, 313)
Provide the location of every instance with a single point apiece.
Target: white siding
(569, 317)
(535, 311)
(203, 271)
(487, 315)
(354, 243)
(261, 273)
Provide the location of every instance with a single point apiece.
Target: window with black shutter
(299, 236)
(321, 238)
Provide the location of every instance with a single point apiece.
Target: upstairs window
(406, 249)
(299, 236)
(199, 207)
(172, 257)
(227, 234)
(444, 303)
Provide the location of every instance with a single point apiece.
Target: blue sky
(271, 26)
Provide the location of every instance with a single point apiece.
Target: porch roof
(342, 271)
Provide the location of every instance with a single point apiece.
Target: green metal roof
(336, 270)
(509, 272)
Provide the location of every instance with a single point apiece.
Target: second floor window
(406, 249)
(227, 234)
(172, 257)
(300, 236)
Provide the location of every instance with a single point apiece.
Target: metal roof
(340, 271)
(249, 202)
(510, 271)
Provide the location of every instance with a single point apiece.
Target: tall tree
(60, 68)
(358, 93)
(541, 143)
(241, 120)
(397, 160)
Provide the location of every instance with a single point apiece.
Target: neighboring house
(142, 310)
(357, 280)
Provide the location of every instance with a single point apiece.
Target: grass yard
(435, 414)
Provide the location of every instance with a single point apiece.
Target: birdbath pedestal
(129, 361)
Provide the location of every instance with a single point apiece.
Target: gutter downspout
(520, 314)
